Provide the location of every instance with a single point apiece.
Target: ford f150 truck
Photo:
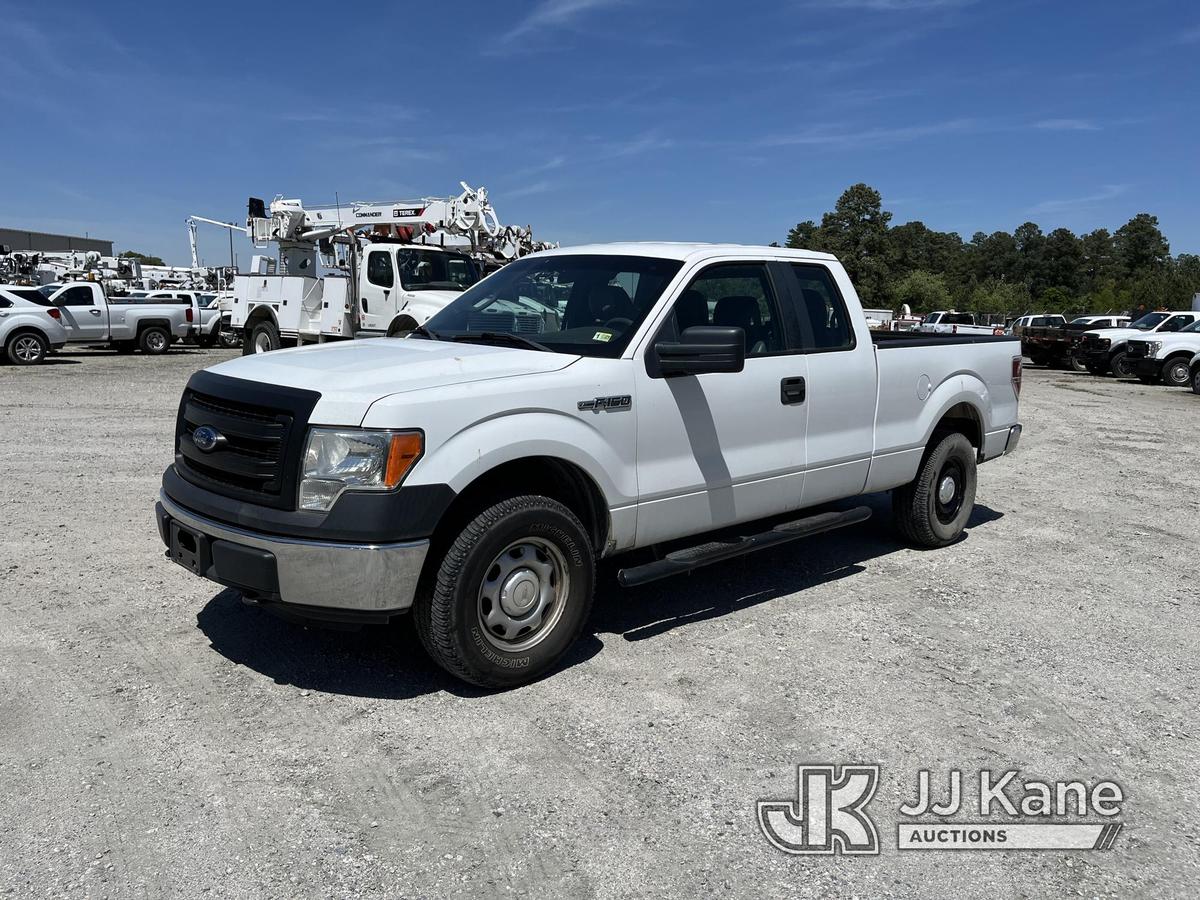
(699, 401)
(91, 317)
(1164, 357)
(1105, 350)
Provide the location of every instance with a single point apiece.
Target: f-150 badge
(624, 401)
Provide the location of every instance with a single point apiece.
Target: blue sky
(603, 119)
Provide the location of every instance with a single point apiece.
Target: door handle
(94, 312)
(792, 391)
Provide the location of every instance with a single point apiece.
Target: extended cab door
(83, 313)
(721, 448)
(842, 380)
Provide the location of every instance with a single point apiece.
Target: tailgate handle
(791, 391)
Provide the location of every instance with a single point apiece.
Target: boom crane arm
(193, 221)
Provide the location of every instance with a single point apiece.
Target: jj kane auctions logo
(829, 815)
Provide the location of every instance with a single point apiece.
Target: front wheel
(933, 509)
(1196, 380)
(1119, 363)
(1176, 373)
(511, 595)
(27, 349)
(1077, 364)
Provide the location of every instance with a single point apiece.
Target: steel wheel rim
(1179, 373)
(155, 341)
(951, 490)
(27, 349)
(523, 594)
(262, 342)
(1120, 367)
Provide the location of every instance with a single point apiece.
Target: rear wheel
(1196, 380)
(401, 327)
(264, 337)
(154, 340)
(511, 594)
(933, 509)
(209, 340)
(1176, 372)
(27, 348)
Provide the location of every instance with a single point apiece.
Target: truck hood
(1120, 334)
(351, 375)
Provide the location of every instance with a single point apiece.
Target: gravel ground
(158, 738)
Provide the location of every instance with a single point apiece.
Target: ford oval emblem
(206, 438)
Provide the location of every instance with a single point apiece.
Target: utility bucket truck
(384, 282)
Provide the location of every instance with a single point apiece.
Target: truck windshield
(1148, 321)
(586, 304)
(435, 270)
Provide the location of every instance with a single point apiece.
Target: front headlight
(355, 459)
(1152, 348)
(1104, 343)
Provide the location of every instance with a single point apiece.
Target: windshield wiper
(426, 333)
(500, 337)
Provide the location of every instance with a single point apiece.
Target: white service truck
(384, 282)
(692, 401)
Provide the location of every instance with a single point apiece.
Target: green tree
(804, 236)
(1063, 261)
(1140, 247)
(1099, 264)
(857, 232)
(923, 291)
(142, 258)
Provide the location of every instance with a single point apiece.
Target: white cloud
(826, 136)
(1106, 192)
(554, 14)
(1066, 125)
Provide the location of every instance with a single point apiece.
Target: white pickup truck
(1164, 357)
(951, 322)
(126, 324)
(1106, 350)
(701, 401)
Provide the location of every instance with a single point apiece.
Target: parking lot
(159, 738)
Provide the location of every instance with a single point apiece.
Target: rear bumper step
(689, 558)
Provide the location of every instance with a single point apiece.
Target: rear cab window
(824, 320)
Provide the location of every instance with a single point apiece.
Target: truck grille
(1092, 342)
(1135, 349)
(261, 431)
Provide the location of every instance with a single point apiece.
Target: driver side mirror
(702, 349)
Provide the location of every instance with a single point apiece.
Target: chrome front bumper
(376, 578)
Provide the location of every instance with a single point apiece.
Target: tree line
(1000, 273)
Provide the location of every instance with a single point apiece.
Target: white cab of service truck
(700, 400)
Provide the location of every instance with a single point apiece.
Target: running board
(689, 558)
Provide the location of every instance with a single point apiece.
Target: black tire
(1118, 364)
(522, 548)
(1076, 364)
(263, 338)
(1039, 359)
(27, 348)
(1175, 372)
(1097, 368)
(208, 341)
(154, 340)
(1196, 379)
(920, 509)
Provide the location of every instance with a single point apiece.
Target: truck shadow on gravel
(646, 612)
(387, 662)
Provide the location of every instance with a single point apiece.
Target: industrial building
(17, 240)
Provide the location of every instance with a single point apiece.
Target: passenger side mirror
(702, 349)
